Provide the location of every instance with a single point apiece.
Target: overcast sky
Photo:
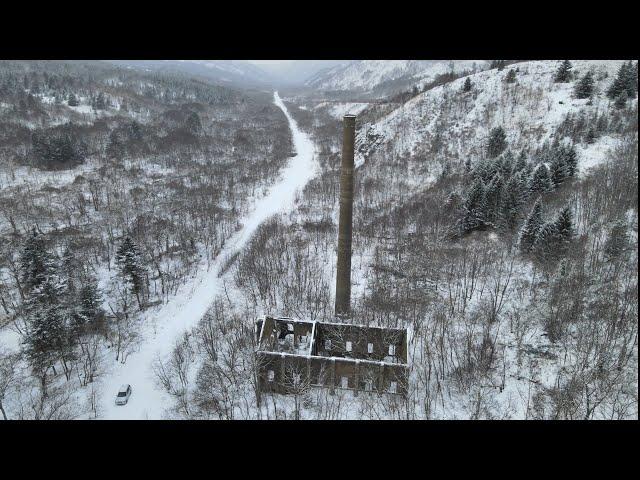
(295, 64)
(273, 63)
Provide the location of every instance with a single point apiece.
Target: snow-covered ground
(164, 325)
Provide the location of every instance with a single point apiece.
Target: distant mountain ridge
(226, 72)
(371, 76)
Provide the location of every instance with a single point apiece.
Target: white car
(123, 394)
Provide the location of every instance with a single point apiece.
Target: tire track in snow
(186, 308)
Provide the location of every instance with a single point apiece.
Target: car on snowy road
(123, 394)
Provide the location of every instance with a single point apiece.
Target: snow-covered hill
(371, 75)
(447, 123)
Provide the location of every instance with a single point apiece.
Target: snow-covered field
(164, 325)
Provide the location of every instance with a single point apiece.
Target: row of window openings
(349, 347)
(344, 382)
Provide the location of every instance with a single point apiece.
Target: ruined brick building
(296, 354)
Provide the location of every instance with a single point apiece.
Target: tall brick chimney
(343, 274)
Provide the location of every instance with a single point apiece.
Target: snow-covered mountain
(231, 72)
(370, 76)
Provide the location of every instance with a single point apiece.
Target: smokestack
(343, 275)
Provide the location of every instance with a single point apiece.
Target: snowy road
(192, 301)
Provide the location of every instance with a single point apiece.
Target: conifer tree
(632, 81)
(511, 203)
(563, 74)
(474, 208)
(89, 305)
(467, 85)
(531, 228)
(44, 306)
(585, 86)
(559, 170)
(554, 238)
(570, 156)
(45, 334)
(521, 162)
(130, 265)
(626, 81)
(493, 198)
(541, 180)
(35, 262)
(497, 142)
(563, 231)
(511, 76)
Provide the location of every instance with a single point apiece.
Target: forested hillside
(495, 217)
(116, 186)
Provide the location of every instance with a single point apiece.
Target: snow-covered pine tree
(485, 169)
(131, 268)
(505, 164)
(45, 335)
(617, 85)
(467, 85)
(564, 231)
(563, 74)
(511, 203)
(45, 338)
(497, 142)
(555, 237)
(70, 266)
(36, 264)
(559, 170)
(474, 208)
(531, 228)
(626, 81)
(89, 308)
(543, 245)
(585, 86)
(570, 156)
(493, 198)
(511, 76)
(522, 161)
(632, 80)
(541, 180)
